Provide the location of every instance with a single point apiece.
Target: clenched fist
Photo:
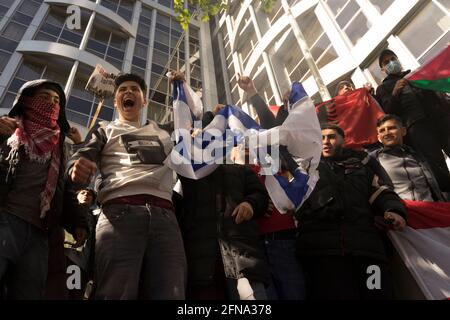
(399, 85)
(176, 75)
(83, 170)
(7, 126)
(246, 84)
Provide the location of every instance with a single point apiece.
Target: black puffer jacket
(413, 104)
(338, 217)
(204, 214)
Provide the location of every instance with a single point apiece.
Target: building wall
(344, 37)
(139, 36)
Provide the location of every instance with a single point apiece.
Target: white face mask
(393, 67)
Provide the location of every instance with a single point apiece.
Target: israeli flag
(197, 155)
(301, 134)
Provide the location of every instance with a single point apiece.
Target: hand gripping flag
(435, 74)
(196, 157)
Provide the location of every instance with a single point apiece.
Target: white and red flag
(424, 246)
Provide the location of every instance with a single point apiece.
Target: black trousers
(345, 278)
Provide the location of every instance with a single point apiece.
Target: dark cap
(384, 53)
(131, 77)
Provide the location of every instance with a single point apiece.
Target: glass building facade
(138, 36)
(344, 38)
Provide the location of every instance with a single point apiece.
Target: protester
(345, 86)
(278, 231)
(84, 258)
(217, 217)
(424, 113)
(32, 169)
(139, 250)
(338, 241)
(409, 172)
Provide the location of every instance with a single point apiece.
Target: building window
(54, 28)
(438, 46)
(28, 7)
(123, 8)
(429, 25)
(36, 67)
(350, 18)
(4, 7)
(320, 45)
(14, 31)
(277, 12)
(336, 6)
(357, 28)
(18, 24)
(166, 3)
(107, 44)
(168, 53)
(139, 62)
(347, 13)
(381, 5)
(375, 71)
(4, 58)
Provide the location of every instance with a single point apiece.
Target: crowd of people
(219, 237)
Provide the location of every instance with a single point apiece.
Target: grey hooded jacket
(409, 173)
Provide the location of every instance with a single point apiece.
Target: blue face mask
(393, 67)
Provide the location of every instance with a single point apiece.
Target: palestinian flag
(356, 113)
(435, 74)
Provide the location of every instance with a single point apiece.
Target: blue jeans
(287, 281)
(23, 259)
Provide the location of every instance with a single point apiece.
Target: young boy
(139, 251)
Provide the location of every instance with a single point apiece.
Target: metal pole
(323, 90)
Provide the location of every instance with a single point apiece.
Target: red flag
(424, 215)
(356, 113)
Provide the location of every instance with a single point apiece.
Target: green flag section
(435, 74)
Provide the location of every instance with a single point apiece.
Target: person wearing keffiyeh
(32, 188)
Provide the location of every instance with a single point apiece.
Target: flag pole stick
(97, 112)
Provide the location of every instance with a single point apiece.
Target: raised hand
(246, 84)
